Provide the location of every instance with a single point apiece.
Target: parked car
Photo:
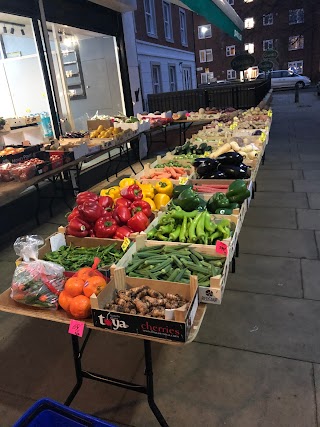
(286, 79)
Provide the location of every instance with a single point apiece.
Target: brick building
(165, 47)
(292, 27)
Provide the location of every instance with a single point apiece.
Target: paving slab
(314, 200)
(275, 165)
(283, 157)
(310, 277)
(268, 324)
(311, 174)
(317, 234)
(278, 242)
(316, 371)
(305, 166)
(309, 147)
(233, 388)
(267, 275)
(271, 217)
(279, 199)
(7, 269)
(308, 219)
(40, 352)
(284, 185)
(309, 157)
(280, 174)
(306, 185)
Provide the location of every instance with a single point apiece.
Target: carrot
(179, 169)
(173, 173)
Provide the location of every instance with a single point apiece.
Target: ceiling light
(22, 32)
(12, 30)
(5, 29)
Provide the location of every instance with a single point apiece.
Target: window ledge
(153, 36)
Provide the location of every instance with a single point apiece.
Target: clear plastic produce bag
(35, 282)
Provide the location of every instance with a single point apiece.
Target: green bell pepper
(218, 200)
(236, 187)
(178, 189)
(240, 197)
(223, 211)
(188, 200)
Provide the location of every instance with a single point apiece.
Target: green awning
(218, 13)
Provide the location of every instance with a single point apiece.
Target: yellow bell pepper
(147, 190)
(164, 186)
(161, 200)
(151, 203)
(113, 192)
(126, 182)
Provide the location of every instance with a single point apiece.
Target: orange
(74, 286)
(94, 285)
(65, 300)
(86, 272)
(80, 307)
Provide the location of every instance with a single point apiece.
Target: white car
(286, 79)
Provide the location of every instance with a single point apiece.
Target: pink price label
(221, 248)
(76, 328)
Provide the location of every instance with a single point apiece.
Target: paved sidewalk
(256, 360)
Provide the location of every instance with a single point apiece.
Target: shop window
(150, 16)
(167, 20)
(186, 78)
(267, 19)
(205, 55)
(249, 47)
(231, 74)
(156, 78)
(296, 42)
(296, 66)
(230, 50)
(249, 23)
(204, 31)
(296, 16)
(267, 44)
(251, 73)
(172, 78)
(183, 27)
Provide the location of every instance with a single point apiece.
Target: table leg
(237, 249)
(233, 265)
(77, 364)
(149, 377)
(252, 192)
(128, 158)
(255, 186)
(263, 158)
(37, 204)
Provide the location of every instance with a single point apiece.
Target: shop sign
(270, 54)
(242, 62)
(265, 65)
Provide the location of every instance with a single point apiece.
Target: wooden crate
(175, 327)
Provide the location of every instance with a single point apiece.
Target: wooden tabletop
(8, 305)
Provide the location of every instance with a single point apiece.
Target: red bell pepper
(106, 214)
(122, 232)
(86, 196)
(133, 192)
(73, 214)
(105, 227)
(91, 211)
(78, 227)
(141, 206)
(121, 214)
(139, 222)
(106, 202)
(123, 202)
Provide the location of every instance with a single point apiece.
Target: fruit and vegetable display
(145, 301)
(74, 135)
(75, 297)
(174, 264)
(22, 171)
(72, 258)
(11, 151)
(224, 166)
(172, 163)
(189, 148)
(224, 203)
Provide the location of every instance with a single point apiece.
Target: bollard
(296, 94)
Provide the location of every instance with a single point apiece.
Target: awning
(218, 13)
(118, 5)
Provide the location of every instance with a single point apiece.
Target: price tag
(76, 328)
(207, 154)
(221, 248)
(269, 113)
(56, 241)
(263, 137)
(125, 244)
(183, 180)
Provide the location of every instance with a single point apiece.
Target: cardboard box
(94, 124)
(176, 329)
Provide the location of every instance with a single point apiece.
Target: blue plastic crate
(48, 413)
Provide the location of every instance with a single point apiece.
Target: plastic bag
(37, 283)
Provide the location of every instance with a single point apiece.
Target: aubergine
(233, 171)
(204, 170)
(230, 158)
(217, 175)
(205, 161)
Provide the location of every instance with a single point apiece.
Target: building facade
(165, 47)
(292, 27)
